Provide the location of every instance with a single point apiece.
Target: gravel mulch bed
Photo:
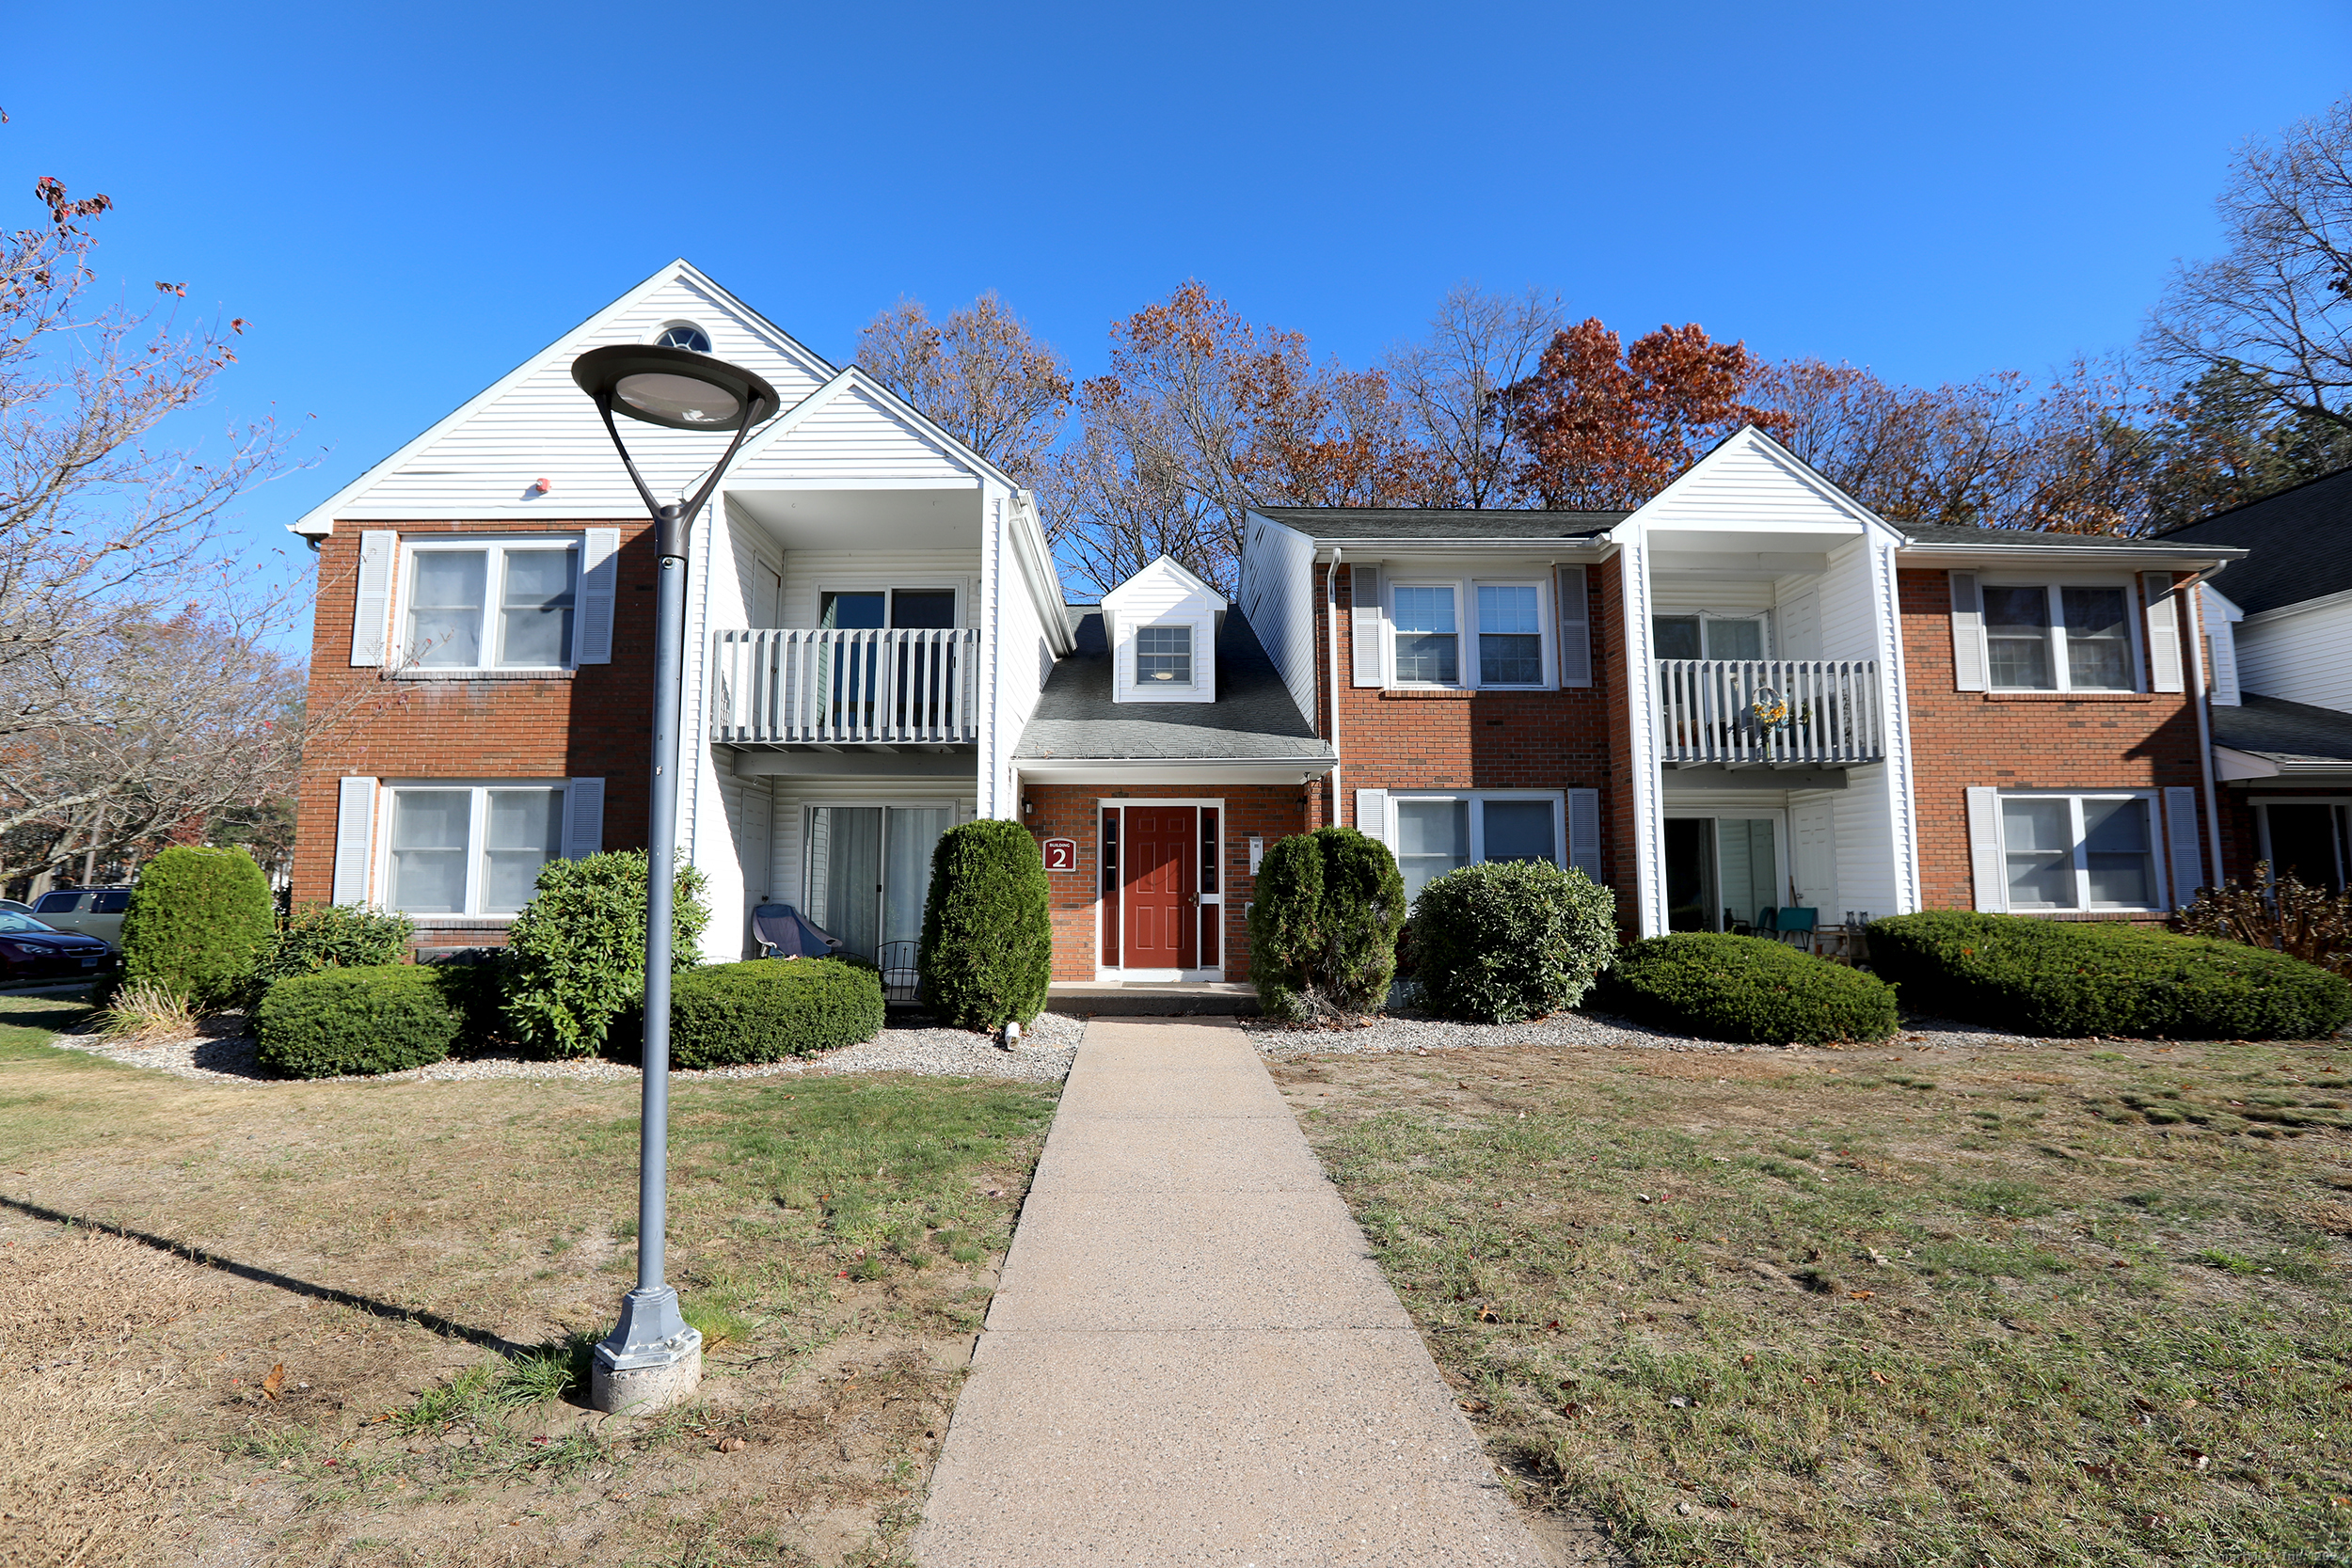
(226, 1056)
(1404, 1030)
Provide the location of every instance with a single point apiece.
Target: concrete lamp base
(652, 1361)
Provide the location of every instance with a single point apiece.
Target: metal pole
(652, 1341)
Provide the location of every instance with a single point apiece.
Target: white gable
(483, 460)
(1751, 483)
(1162, 595)
(853, 429)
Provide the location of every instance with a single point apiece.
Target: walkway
(1192, 1357)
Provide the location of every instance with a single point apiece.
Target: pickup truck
(94, 911)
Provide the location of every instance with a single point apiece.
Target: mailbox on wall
(1061, 854)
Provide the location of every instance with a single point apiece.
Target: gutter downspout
(2204, 724)
(1332, 640)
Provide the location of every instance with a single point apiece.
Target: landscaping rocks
(1411, 1030)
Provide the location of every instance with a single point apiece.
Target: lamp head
(674, 387)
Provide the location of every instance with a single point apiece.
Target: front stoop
(1152, 999)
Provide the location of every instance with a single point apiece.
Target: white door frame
(1119, 973)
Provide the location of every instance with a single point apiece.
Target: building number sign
(1061, 854)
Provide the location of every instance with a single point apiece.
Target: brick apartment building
(1749, 693)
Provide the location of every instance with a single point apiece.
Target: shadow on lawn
(431, 1322)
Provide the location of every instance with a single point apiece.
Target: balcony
(1768, 713)
(863, 688)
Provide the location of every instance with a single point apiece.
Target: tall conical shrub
(1323, 924)
(197, 922)
(988, 940)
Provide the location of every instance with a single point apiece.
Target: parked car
(94, 911)
(30, 950)
(11, 906)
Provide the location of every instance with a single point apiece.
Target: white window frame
(496, 546)
(1557, 799)
(1192, 657)
(477, 828)
(1763, 618)
(1467, 632)
(2156, 855)
(2053, 589)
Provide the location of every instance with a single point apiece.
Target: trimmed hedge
(358, 1020)
(987, 950)
(331, 936)
(766, 1009)
(197, 922)
(1511, 940)
(1323, 919)
(1727, 988)
(576, 956)
(2075, 978)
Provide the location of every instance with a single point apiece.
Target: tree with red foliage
(1600, 427)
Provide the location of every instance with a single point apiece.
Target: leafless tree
(2277, 303)
(981, 375)
(1479, 343)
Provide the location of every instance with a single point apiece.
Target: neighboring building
(2281, 642)
(1751, 692)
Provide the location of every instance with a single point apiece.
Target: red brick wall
(2012, 742)
(595, 723)
(1489, 739)
(1073, 811)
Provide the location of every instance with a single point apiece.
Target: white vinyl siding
(1278, 597)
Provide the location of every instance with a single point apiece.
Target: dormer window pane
(1510, 638)
(1163, 655)
(1427, 641)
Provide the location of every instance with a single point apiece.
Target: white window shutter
(1969, 660)
(2164, 632)
(1365, 628)
(2180, 842)
(1372, 811)
(1986, 863)
(355, 839)
(583, 818)
(1584, 826)
(372, 606)
(599, 575)
(1576, 627)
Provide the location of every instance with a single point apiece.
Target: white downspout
(1331, 640)
(2204, 726)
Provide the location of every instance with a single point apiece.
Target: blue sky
(405, 201)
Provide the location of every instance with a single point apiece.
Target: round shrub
(2074, 979)
(1511, 940)
(1726, 988)
(988, 943)
(357, 1021)
(766, 1009)
(331, 936)
(1323, 924)
(197, 921)
(576, 956)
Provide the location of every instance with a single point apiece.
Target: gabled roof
(1253, 718)
(857, 380)
(1165, 566)
(1340, 524)
(2300, 540)
(680, 277)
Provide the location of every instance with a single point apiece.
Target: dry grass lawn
(375, 1362)
(1897, 1306)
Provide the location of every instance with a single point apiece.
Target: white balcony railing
(1768, 713)
(845, 688)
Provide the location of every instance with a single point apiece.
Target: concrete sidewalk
(1192, 1356)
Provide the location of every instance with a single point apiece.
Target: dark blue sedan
(32, 951)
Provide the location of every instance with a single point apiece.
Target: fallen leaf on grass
(730, 1445)
(1878, 1377)
(1476, 1407)
(276, 1380)
(1862, 1295)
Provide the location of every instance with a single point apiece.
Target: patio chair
(901, 980)
(1767, 921)
(783, 932)
(1798, 924)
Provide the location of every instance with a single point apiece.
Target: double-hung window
(1163, 655)
(1428, 639)
(1708, 636)
(2079, 852)
(1510, 635)
(490, 605)
(2047, 637)
(1503, 622)
(1438, 834)
(470, 849)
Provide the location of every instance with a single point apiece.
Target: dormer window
(685, 335)
(1163, 655)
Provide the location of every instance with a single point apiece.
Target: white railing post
(1705, 712)
(789, 686)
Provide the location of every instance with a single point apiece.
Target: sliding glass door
(870, 872)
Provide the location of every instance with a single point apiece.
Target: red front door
(1158, 928)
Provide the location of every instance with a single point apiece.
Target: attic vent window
(1164, 654)
(685, 335)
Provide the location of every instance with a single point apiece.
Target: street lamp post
(653, 1359)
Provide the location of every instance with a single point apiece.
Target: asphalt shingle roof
(1365, 522)
(2027, 539)
(1253, 718)
(2283, 730)
(2302, 541)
